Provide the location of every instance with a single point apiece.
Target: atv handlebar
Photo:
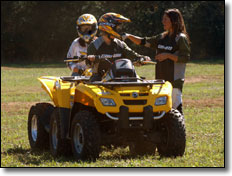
(84, 57)
(140, 61)
(148, 63)
(76, 59)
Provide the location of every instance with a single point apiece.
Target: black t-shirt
(168, 69)
(118, 49)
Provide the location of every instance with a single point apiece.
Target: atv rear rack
(75, 78)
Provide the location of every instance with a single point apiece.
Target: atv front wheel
(38, 121)
(85, 136)
(58, 146)
(173, 139)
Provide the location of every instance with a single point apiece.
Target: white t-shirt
(77, 50)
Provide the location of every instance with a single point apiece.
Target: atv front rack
(121, 82)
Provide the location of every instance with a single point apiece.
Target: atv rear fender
(48, 84)
(61, 92)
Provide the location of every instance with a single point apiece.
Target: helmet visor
(86, 29)
(120, 29)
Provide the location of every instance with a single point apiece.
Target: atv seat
(123, 67)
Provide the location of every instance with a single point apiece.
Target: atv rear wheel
(85, 136)
(38, 122)
(58, 146)
(173, 139)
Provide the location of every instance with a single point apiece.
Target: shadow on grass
(17, 150)
(38, 157)
(128, 156)
(123, 154)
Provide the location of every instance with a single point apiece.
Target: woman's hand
(161, 57)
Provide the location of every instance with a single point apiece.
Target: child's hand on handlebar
(147, 58)
(91, 58)
(144, 58)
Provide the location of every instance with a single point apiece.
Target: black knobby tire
(38, 118)
(142, 148)
(58, 146)
(173, 137)
(85, 136)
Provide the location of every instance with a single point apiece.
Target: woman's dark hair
(177, 22)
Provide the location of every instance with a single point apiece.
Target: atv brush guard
(136, 118)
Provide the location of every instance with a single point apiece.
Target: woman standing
(172, 49)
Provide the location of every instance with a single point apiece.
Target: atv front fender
(48, 84)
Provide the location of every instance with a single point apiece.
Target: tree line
(37, 31)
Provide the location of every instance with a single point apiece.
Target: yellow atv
(121, 110)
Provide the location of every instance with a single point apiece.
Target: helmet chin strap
(110, 37)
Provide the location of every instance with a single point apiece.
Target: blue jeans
(75, 74)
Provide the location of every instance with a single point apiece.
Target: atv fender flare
(48, 83)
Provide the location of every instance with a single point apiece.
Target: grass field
(203, 101)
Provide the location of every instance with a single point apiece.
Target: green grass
(203, 97)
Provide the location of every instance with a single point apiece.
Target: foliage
(44, 30)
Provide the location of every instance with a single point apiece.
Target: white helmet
(90, 32)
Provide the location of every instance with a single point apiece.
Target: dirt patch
(197, 79)
(12, 68)
(25, 90)
(212, 102)
(33, 89)
(13, 108)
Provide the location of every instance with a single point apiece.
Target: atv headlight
(107, 102)
(161, 101)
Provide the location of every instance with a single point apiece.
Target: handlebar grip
(76, 58)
